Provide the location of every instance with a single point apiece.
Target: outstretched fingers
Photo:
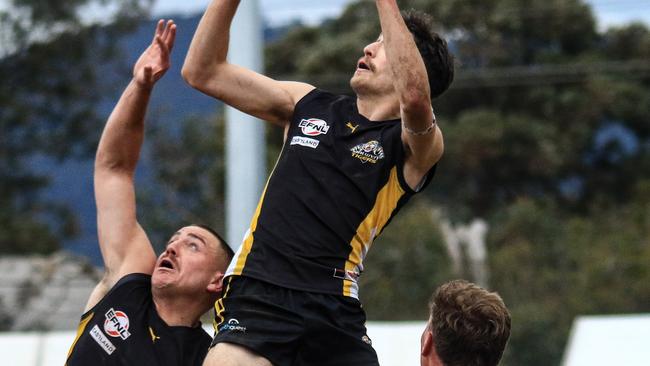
(164, 47)
(160, 28)
(170, 35)
(169, 31)
(154, 61)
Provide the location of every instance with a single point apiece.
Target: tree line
(546, 133)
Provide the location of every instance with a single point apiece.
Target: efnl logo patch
(232, 325)
(313, 127)
(117, 324)
(370, 152)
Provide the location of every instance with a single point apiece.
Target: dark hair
(438, 61)
(470, 325)
(222, 242)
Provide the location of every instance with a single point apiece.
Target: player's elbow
(197, 74)
(105, 161)
(205, 79)
(193, 75)
(109, 165)
(415, 102)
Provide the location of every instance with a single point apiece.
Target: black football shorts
(291, 327)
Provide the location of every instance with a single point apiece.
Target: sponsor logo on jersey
(101, 339)
(305, 141)
(351, 127)
(313, 127)
(232, 325)
(366, 340)
(370, 152)
(349, 275)
(154, 337)
(117, 324)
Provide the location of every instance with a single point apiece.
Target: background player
(145, 310)
(468, 325)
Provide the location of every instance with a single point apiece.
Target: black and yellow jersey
(336, 185)
(125, 329)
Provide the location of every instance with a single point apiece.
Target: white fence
(397, 344)
(594, 341)
(609, 340)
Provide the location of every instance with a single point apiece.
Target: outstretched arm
(124, 245)
(420, 134)
(206, 68)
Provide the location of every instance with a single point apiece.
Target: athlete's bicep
(252, 92)
(124, 245)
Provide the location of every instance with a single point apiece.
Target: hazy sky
(274, 11)
(608, 12)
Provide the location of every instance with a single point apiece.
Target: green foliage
(628, 42)
(325, 56)
(532, 270)
(550, 268)
(528, 138)
(547, 138)
(189, 177)
(49, 95)
(23, 233)
(503, 157)
(404, 265)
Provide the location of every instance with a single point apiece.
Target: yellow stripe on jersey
(219, 309)
(385, 205)
(247, 245)
(80, 329)
(248, 241)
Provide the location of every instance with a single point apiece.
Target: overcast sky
(274, 11)
(608, 12)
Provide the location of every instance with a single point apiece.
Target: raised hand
(154, 61)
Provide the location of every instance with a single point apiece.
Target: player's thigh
(336, 333)
(229, 354)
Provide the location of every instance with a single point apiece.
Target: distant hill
(172, 102)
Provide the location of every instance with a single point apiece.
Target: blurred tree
(325, 56)
(547, 138)
(49, 65)
(404, 265)
(188, 174)
(533, 271)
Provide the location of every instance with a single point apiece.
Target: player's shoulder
(134, 279)
(128, 287)
(318, 96)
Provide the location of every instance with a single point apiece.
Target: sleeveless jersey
(336, 185)
(125, 329)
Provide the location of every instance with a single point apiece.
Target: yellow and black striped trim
(219, 309)
(247, 245)
(80, 329)
(387, 201)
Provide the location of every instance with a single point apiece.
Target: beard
(360, 86)
(375, 87)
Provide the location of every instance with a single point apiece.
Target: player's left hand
(154, 61)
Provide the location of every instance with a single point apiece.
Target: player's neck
(178, 310)
(378, 108)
